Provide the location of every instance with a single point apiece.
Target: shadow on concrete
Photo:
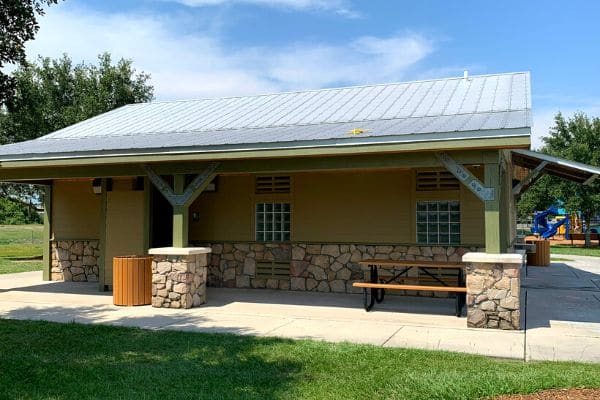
(218, 297)
(562, 292)
(89, 288)
(76, 361)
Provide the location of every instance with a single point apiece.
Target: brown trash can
(132, 280)
(541, 257)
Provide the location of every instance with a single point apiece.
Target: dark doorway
(161, 220)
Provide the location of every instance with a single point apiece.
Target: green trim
(147, 214)
(180, 215)
(102, 240)
(493, 237)
(406, 160)
(47, 234)
(520, 141)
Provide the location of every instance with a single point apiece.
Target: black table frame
(378, 294)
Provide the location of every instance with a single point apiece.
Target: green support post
(102, 240)
(47, 249)
(493, 237)
(147, 214)
(180, 215)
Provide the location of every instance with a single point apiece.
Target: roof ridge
(329, 89)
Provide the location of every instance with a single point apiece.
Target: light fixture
(97, 186)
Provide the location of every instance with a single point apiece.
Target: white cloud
(340, 7)
(200, 65)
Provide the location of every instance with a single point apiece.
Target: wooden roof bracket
(590, 179)
(466, 178)
(529, 180)
(191, 192)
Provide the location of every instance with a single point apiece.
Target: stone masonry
(179, 281)
(493, 294)
(313, 267)
(75, 260)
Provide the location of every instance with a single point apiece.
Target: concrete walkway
(562, 308)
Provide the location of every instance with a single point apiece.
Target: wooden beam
(180, 214)
(187, 195)
(147, 214)
(529, 180)
(520, 140)
(590, 180)
(493, 237)
(285, 165)
(102, 262)
(47, 236)
(466, 178)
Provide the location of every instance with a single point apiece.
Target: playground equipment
(545, 228)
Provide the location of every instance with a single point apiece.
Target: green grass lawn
(574, 250)
(20, 245)
(43, 360)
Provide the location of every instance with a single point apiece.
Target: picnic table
(377, 285)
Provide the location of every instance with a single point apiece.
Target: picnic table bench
(377, 285)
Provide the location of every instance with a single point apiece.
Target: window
(272, 222)
(438, 222)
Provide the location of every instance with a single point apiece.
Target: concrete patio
(562, 315)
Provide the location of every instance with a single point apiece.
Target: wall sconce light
(97, 186)
(195, 216)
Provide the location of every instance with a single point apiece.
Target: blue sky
(204, 48)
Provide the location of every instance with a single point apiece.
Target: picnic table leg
(373, 277)
(378, 294)
(460, 297)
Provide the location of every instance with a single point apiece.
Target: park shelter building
(290, 190)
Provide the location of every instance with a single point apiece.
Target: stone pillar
(179, 276)
(493, 290)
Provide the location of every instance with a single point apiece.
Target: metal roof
(567, 169)
(454, 108)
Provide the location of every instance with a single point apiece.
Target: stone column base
(493, 290)
(179, 277)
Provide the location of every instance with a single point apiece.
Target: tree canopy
(52, 94)
(576, 138)
(18, 24)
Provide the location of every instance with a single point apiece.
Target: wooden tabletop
(412, 263)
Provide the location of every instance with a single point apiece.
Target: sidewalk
(563, 315)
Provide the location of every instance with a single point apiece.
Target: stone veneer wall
(313, 267)
(75, 260)
(179, 281)
(493, 295)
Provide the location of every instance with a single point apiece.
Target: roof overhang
(509, 138)
(563, 168)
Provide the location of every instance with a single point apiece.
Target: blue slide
(546, 229)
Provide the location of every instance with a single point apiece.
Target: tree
(12, 213)
(577, 139)
(52, 94)
(18, 24)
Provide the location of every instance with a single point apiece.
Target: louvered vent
(272, 184)
(273, 270)
(436, 180)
